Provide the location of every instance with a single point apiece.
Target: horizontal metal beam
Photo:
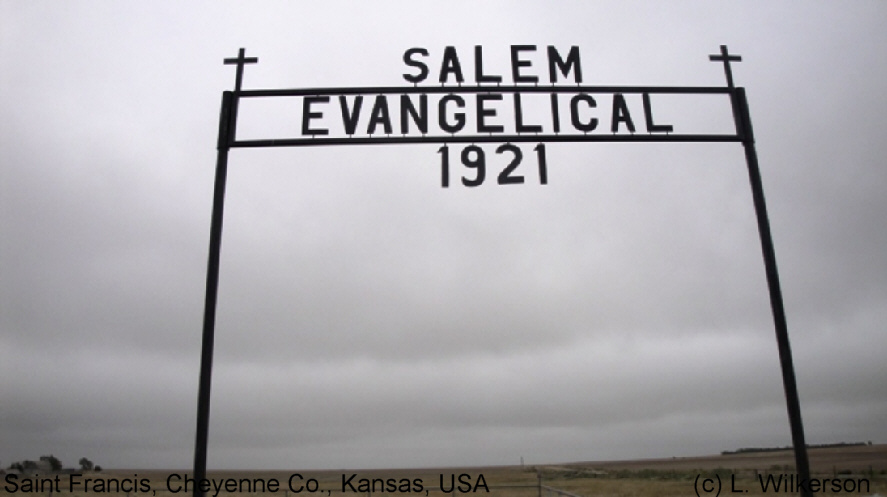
(375, 90)
(406, 140)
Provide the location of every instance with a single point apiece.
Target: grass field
(857, 470)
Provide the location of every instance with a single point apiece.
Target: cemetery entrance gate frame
(743, 134)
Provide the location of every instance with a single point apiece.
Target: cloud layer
(368, 317)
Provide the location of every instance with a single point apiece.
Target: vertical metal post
(226, 121)
(776, 305)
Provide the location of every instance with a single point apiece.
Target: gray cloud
(369, 318)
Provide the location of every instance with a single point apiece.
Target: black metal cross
(240, 61)
(726, 58)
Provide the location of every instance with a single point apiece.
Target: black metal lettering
(349, 119)
(479, 164)
(555, 113)
(379, 115)
(506, 177)
(450, 65)
(459, 116)
(479, 75)
(483, 112)
(307, 115)
(517, 63)
(620, 114)
(444, 152)
(519, 118)
(555, 61)
(574, 112)
(410, 61)
(648, 117)
(543, 164)
(420, 116)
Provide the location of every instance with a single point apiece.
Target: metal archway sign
(572, 119)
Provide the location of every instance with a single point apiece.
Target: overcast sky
(370, 318)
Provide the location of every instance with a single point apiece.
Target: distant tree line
(748, 450)
(50, 463)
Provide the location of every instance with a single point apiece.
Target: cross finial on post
(240, 61)
(726, 57)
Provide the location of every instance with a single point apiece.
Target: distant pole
(227, 130)
(743, 126)
(539, 481)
